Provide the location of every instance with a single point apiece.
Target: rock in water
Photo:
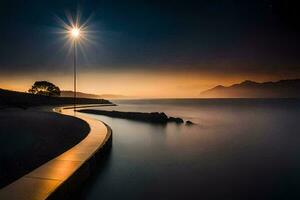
(154, 117)
(177, 120)
(189, 123)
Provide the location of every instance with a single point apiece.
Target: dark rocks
(154, 117)
(177, 120)
(189, 123)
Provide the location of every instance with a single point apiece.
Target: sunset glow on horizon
(137, 84)
(132, 52)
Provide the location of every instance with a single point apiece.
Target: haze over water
(239, 149)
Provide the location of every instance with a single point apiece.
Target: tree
(44, 88)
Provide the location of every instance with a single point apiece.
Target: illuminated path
(59, 176)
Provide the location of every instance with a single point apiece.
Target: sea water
(238, 149)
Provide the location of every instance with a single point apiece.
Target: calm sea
(239, 149)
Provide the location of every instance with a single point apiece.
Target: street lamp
(75, 34)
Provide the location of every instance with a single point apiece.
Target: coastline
(82, 158)
(29, 139)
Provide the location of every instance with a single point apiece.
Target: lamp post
(75, 34)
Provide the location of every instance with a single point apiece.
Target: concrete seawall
(61, 176)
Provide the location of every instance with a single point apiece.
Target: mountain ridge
(69, 93)
(287, 88)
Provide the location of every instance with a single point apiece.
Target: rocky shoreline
(153, 117)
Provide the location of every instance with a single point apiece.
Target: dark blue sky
(243, 36)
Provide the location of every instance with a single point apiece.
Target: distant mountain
(250, 89)
(113, 96)
(68, 93)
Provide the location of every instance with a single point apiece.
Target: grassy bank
(30, 138)
(23, 100)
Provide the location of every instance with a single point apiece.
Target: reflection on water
(240, 149)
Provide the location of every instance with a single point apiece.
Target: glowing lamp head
(75, 33)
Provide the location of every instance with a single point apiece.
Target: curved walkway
(59, 176)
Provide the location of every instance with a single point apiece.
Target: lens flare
(76, 29)
(75, 33)
(73, 28)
